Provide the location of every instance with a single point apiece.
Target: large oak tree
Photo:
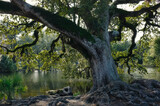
(93, 40)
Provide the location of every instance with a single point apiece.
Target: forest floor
(138, 93)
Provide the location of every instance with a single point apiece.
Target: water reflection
(34, 76)
(152, 74)
(38, 82)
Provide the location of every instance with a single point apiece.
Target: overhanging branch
(80, 36)
(25, 45)
(130, 51)
(63, 49)
(49, 19)
(149, 18)
(117, 2)
(120, 12)
(53, 44)
(27, 25)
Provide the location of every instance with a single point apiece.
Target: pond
(38, 82)
(152, 73)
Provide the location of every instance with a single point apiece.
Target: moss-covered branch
(63, 25)
(48, 18)
(117, 2)
(8, 8)
(120, 12)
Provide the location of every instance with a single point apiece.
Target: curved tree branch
(68, 28)
(133, 45)
(25, 45)
(63, 48)
(133, 28)
(117, 2)
(53, 44)
(49, 19)
(149, 18)
(90, 21)
(8, 8)
(120, 12)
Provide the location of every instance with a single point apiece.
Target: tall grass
(11, 86)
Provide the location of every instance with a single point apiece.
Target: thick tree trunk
(103, 66)
(101, 61)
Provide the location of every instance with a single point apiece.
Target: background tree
(7, 65)
(157, 52)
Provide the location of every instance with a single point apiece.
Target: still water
(152, 73)
(38, 82)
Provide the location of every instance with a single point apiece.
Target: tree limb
(120, 12)
(53, 44)
(133, 28)
(90, 21)
(63, 49)
(148, 19)
(25, 45)
(117, 2)
(80, 36)
(49, 19)
(26, 24)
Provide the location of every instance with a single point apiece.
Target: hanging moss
(64, 24)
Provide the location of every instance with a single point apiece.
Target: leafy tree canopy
(86, 20)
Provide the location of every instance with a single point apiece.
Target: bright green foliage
(120, 46)
(120, 49)
(157, 46)
(73, 65)
(135, 62)
(152, 54)
(11, 86)
(157, 52)
(140, 56)
(7, 64)
(149, 55)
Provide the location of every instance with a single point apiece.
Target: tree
(157, 51)
(7, 65)
(92, 37)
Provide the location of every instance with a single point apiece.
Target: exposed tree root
(139, 92)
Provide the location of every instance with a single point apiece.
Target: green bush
(157, 52)
(7, 64)
(11, 86)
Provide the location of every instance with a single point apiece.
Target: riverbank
(46, 100)
(138, 93)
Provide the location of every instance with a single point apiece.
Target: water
(39, 82)
(152, 74)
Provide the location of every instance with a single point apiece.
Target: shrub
(11, 86)
(7, 64)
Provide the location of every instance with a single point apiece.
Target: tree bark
(103, 66)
